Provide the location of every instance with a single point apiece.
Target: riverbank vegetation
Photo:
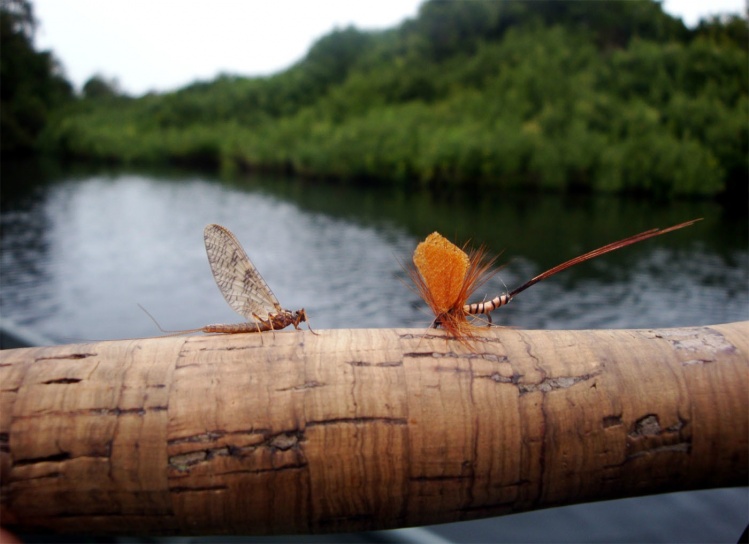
(544, 95)
(32, 86)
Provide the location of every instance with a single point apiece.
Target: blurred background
(331, 137)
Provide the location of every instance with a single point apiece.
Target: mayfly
(446, 277)
(243, 288)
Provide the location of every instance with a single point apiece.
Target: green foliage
(98, 87)
(546, 95)
(31, 82)
(729, 30)
(329, 60)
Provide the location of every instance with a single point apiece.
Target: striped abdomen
(273, 323)
(237, 328)
(487, 306)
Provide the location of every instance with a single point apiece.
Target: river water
(80, 251)
(81, 248)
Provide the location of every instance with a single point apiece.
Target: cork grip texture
(289, 432)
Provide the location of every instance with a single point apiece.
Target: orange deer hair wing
(443, 267)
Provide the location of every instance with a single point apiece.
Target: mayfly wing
(237, 278)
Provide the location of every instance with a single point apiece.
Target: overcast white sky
(161, 45)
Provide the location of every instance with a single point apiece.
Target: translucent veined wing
(237, 278)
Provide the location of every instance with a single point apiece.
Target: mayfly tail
(166, 332)
(491, 305)
(598, 252)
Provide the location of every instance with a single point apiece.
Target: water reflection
(76, 263)
(78, 254)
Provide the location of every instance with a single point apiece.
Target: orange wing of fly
(443, 267)
(445, 276)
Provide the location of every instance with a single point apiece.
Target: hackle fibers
(445, 277)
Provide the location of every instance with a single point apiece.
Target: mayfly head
(300, 316)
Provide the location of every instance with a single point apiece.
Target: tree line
(545, 95)
(32, 86)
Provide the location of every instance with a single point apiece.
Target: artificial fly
(446, 277)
